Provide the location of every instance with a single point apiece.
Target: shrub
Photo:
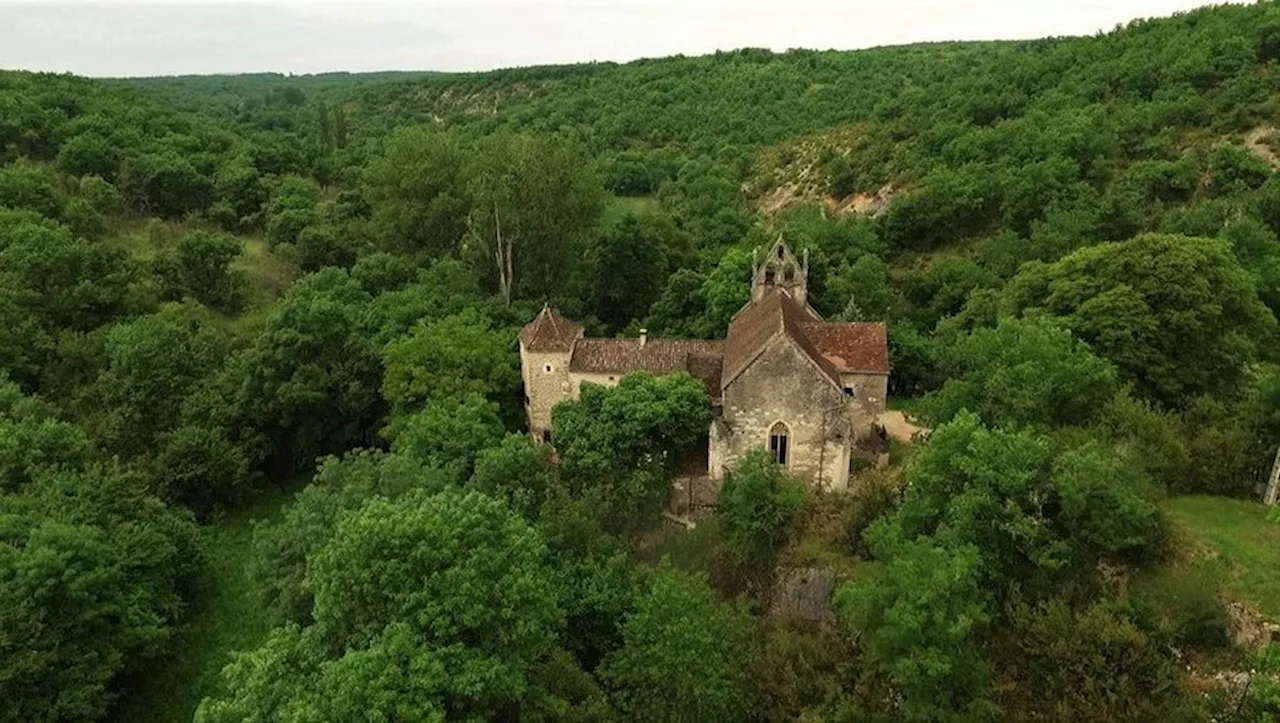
(757, 503)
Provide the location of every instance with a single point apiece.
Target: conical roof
(550, 332)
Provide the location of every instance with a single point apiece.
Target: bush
(757, 504)
(200, 267)
(1103, 662)
(200, 468)
(873, 497)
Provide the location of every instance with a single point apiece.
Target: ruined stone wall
(870, 392)
(783, 385)
(544, 389)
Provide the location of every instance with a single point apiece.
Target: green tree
(942, 288)
(726, 290)
(94, 570)
(291, 208)
(89, 154)
(1024, 371)
(60, 281)
(417, 187)
(678, 626)
(624, 442)
(680, 307)
(152, 363)
(200, 267)
(1178, 316)
(534, 200)
(166, 183)
(199, 468)
(518, 471)
(862, 290)
(240, 190)
(308, 384)
(757, 503)
(428, 605)
(448, 360)
(1104, 661)
(919, 610)
(31, 187)
(1028, 510)
(628, 268)
(281, 549)
(450, 434)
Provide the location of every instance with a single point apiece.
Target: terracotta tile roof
(749, 331)
(757, 324)
(850, 348)
(701, 358)
(550, 332)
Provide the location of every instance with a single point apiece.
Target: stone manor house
(783, 379)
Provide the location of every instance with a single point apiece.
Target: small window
(768, 277)
(778, 443)
(612, 379)
(848, 391)
(779, 252)
(547, 367)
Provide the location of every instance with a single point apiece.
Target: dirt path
(896, 425)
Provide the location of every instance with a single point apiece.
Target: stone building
(783, 378)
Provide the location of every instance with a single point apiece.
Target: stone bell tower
(780, 269)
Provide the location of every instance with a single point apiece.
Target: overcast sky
(120, 38)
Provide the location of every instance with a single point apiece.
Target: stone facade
(782, 391)
(783, 379)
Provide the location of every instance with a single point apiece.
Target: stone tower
(546, 345)
(781, 269)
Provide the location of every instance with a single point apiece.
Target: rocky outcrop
(1248, 630)
(804, 593)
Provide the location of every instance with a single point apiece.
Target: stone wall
(576, 379)
(870, 392)
(784, 385)
(544, 389)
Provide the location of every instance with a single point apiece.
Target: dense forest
(261, 427)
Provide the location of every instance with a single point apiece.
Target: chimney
(644, 336)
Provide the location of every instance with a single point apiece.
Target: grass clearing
(268, 275)
(1238, 533)
(616, 207)
(225, 618)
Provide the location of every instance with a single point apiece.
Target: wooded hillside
(217, 292)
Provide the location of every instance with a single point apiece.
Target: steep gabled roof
(854, 348)
(550, 332)
(776, 313)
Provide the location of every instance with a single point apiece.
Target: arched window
(778, 443)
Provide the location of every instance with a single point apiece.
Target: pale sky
(119, 38)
